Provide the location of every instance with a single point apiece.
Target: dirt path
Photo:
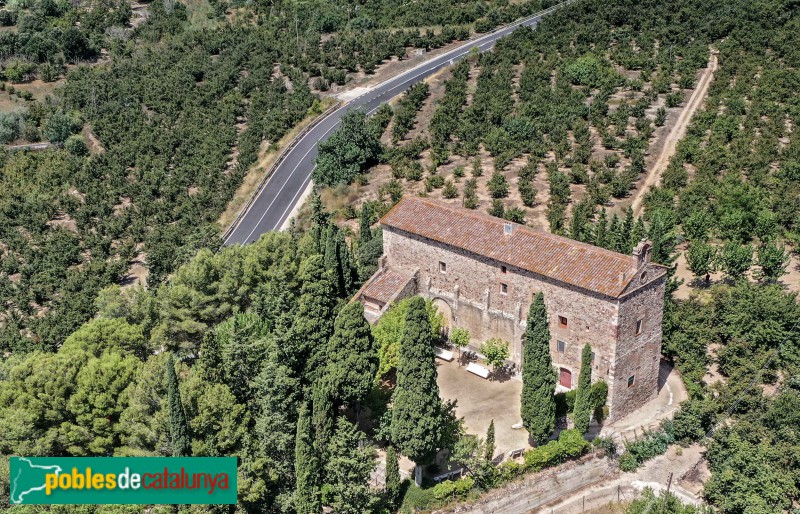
(676, 134)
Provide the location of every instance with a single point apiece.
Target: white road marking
(431, 65)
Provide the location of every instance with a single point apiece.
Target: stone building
(482, 272)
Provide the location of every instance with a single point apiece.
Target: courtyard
(480, 401)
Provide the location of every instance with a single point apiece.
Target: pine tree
(392, 478)
(209, 364)
(353, 356)
(178, 426)
(417, 413)
(490, 441)
(538, 377)
(583, 395)
(306, 467)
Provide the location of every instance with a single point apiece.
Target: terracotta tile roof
(383, 286)
(578, 264)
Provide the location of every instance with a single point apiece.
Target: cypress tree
(417, 410)
(322, 414)
(583, 396)
(538, 377)
(392, 478)
(614, 233)
(637, 234)
(601, 234)
(364, 224)
(662, 239)
(490, 441)
(346, 270)
(178, 426)
(333, 259)
(625, 232)
(306, 467)
(353, 357)
(313, 321)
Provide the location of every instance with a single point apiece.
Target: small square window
(639, 325)
(561, 346)
(631, 380)
(562, 322)
(442, 267)
(503, 269)
(504, 288)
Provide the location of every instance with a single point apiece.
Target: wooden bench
(478, 370)
(448, 475)
(445, 355)
(513, 454)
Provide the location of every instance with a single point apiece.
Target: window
(561, 346)
(503, 288)
(442, 267)
(631, 380)
(594, 356)
(639, 325)
(562, 322)
(503, 269)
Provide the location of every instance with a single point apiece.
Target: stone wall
(471, 285)
(638, 355)
(470, 291)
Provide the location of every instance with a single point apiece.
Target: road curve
(275, 202)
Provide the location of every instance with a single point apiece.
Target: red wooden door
(565, 378)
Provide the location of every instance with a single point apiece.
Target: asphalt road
(277, 199)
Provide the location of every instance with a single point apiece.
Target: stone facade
(490, 298)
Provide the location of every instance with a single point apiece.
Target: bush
(509, 470)
(653, 444)
(417, 498)
(498, 185)
(565, 403)
(453, 488)
(570, 445)
(449, 190)
(76, 146)
(606, 444)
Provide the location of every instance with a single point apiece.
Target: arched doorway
(447, 315)
(565, 378)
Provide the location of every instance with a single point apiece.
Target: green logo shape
(122, 480)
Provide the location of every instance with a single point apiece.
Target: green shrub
(627, 462)
(509, 470)
(565, 403)
(651, 445)
(599, 394)
(417, 498)
(453, 488)
(572, 443)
